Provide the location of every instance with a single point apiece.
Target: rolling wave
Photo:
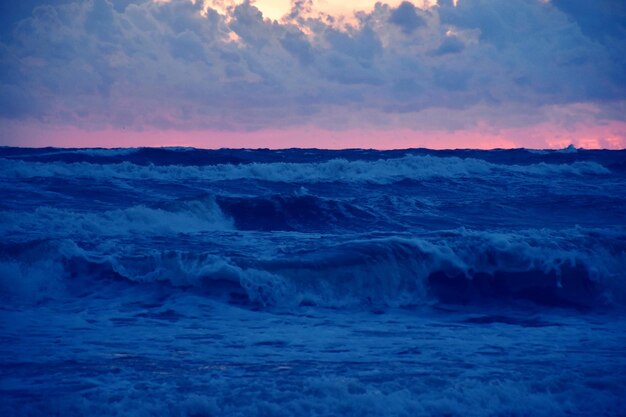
(382, 171)
(459, 266)
(191, 216)
(293, 212)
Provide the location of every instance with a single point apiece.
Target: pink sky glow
(544, 136)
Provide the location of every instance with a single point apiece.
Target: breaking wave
(181, 217)
(383, 171)
(454, 267)
(292, 212)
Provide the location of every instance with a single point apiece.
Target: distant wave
(293, 212)
(205, 213)
(183, 217)
(381, 171)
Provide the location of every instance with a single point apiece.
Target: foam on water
(382, 171)
(187, 217)
(456, 266)
(308, 282)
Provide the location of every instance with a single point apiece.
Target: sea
(311, 282)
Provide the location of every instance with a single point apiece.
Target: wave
(276, 212)
(190, 216)
(293, 212)
(458, 266)
(382, 171)
(461, 267)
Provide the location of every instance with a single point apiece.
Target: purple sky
(478, 73)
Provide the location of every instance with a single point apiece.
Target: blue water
(184, 282)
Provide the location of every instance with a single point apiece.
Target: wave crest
(383, 171)
(183, 217)
(455, 267)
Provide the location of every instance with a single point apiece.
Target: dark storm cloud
(406, 17)
(97, 63)
(450, 45)
(598, 19)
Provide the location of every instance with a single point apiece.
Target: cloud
(406, 17)
(176, 65)
(600, 19)
(297, 44)
(16, 103)
(449, 45)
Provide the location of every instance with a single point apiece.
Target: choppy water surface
(310, 282)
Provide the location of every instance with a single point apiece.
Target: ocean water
(185, 282)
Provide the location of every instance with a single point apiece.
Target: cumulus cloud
(182, 65)
(450, 45)
(600, 19)
(406, 16)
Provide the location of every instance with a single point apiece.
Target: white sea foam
(336, 170)
(187, 217)
(376, 271)
(157, 305)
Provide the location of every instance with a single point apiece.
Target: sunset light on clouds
(469, 74)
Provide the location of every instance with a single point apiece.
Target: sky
(306, 73)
